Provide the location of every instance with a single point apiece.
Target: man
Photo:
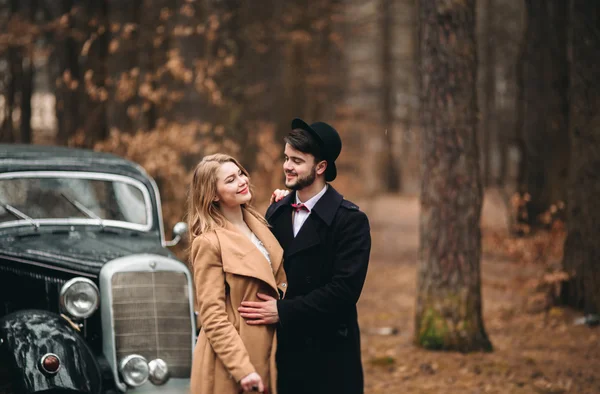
(326, 242)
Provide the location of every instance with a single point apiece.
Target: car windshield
(73, 198)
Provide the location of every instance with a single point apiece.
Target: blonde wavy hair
(204, 214)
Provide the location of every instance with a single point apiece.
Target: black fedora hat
(329, 140)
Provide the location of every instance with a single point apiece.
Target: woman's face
(233, 188)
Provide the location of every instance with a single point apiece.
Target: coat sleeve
(209, 279)
(350, 261)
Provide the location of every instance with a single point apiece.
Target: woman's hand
(278, 194)
(253, 382)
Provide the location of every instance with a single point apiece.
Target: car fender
(27, 335)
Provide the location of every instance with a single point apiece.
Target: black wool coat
(326, 265)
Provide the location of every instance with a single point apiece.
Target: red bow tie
(299, 207)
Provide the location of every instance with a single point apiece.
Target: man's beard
(301, 183)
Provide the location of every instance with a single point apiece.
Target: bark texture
(488, 123)
(582, 250)
(68, 84)
(388, 165)
(545, 106)
(448, 311)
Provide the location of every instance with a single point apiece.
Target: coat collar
(328, 205)
(325, 208)
(241, 257)
(284, 204)
(322, 214)
(311, 202)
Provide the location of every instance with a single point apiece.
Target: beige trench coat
(228, 269)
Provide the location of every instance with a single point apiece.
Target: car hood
(81, 252)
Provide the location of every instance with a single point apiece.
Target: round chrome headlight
(159, 371)
(79, 297)
(134, 370)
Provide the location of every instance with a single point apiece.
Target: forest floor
(537, 348)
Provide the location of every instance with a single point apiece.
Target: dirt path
(534, 353)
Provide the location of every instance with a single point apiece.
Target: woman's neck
(236, 217)
(233, 214)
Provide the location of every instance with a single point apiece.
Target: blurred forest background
(164, 82)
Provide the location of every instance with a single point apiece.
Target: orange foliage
(163, 153)
(267, 174)
(169, 154)
(543, 248)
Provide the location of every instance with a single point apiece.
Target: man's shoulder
(350, 221)
(270, 210)
(273, 208)
(350, 212)
(349, 205)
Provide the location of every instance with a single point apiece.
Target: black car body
(91, 300)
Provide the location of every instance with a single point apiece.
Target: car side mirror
(179, 230)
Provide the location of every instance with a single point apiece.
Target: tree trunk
(545, 113)
(149, 31)
(448, 310)
(582, 251)
(27, 85)
(14, 59)
(520, 107)
(295, 70)
(26, 93)
(489, 91)
(388, 164)
(122, 60)
(158, 32)
(68, 98)
(238, 111)
(95, 120)
(309, 58)
(15, 71)
(407, 114)
(507, 37)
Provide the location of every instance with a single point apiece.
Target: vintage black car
(91, 301)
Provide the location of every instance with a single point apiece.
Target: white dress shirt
(301, 215)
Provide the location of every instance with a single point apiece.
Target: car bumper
(173, 386)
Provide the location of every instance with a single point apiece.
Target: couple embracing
(277, 295)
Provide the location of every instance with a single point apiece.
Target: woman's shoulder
(207, 239)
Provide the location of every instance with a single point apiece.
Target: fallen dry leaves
(535, 351)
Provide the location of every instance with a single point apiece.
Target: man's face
(300, 168)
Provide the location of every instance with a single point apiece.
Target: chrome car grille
(151, 317)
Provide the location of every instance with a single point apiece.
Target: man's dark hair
(303, 141)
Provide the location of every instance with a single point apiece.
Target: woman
(234, 257)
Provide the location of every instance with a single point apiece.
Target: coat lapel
(268, 239)
(281, 222)
(286, 218)
(321, 215)
(307, 237)
(241, 257)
